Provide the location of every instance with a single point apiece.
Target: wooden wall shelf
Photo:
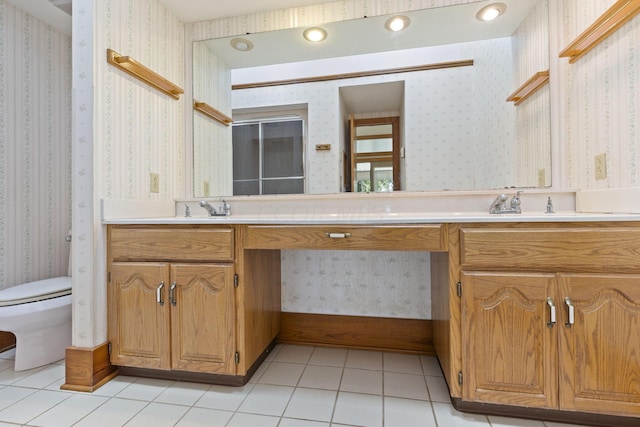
(616, 16)
(139, 71)
(529, 87)
(211, 112)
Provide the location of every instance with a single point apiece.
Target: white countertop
(375, 208)
(384, 218)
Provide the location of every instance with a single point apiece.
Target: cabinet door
(600, 352)
(202, 318)
(138, 318)
(509, 350)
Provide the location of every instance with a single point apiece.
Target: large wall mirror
(446, 78)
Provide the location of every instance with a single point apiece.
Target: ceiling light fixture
(491, 11)
(315, 34)
(397, 23)
(243, 45)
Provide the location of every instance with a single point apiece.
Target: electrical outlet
(542, 178)
(601, 166)
(205, 188)
(154, 182)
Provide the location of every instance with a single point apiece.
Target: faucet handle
(516, 202)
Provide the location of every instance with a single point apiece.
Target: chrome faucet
(225, 210)
(499, 205)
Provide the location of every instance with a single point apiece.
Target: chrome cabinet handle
(159, 294)
(571, 312)
(172, 294)
(338, 235)
(552, 313)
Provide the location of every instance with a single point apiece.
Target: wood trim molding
(144, 74)
(368, 333)
(426, 67)
(529, 87)
(87, 369)
(613, 18)
(212, 113)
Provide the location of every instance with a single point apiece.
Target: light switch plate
(542, 178)
(601, 166)
(154, 182)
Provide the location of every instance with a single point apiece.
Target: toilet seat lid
(36, 291)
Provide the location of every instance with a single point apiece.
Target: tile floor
(296, 386)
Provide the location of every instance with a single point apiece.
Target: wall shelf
(529, 87)
(211, 112)
(139, 71)
(616, 16)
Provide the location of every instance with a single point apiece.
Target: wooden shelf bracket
(139, 71)
(616, 16)
(211, 112)
(529, 87)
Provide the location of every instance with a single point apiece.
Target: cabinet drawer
(560, 249)
(394, 238)
(171, 244)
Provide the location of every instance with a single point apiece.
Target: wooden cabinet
(559, 331)
(510, 352)
(600, 352)
(171, 315)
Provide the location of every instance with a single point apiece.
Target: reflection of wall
(35, 148)
(533, 129)
(602, 101)
(453, 117)
(213, 152)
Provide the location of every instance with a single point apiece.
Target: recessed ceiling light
(315, 34)
(241, 44)
(491, 11)
(397, 23)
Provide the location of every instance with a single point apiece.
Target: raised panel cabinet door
(600, 347)
(202, 318)
(509, 341)
(138, 315)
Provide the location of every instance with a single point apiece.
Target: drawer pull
(570, 312)
(172, 294)
(552, 313)
(159, 294)
(338, 235)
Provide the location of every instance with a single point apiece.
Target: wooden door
(600, 351)
(509, 349)
(202, 318)
(138, 316)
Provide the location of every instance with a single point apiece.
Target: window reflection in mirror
(268, 157)
(375, 155)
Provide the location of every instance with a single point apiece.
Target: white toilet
(39, 315)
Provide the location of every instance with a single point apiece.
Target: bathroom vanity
(532, 315)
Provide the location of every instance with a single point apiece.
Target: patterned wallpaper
(601, 101)
(533, 119)
(358, 283)
(124, 131)
(35, 148)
